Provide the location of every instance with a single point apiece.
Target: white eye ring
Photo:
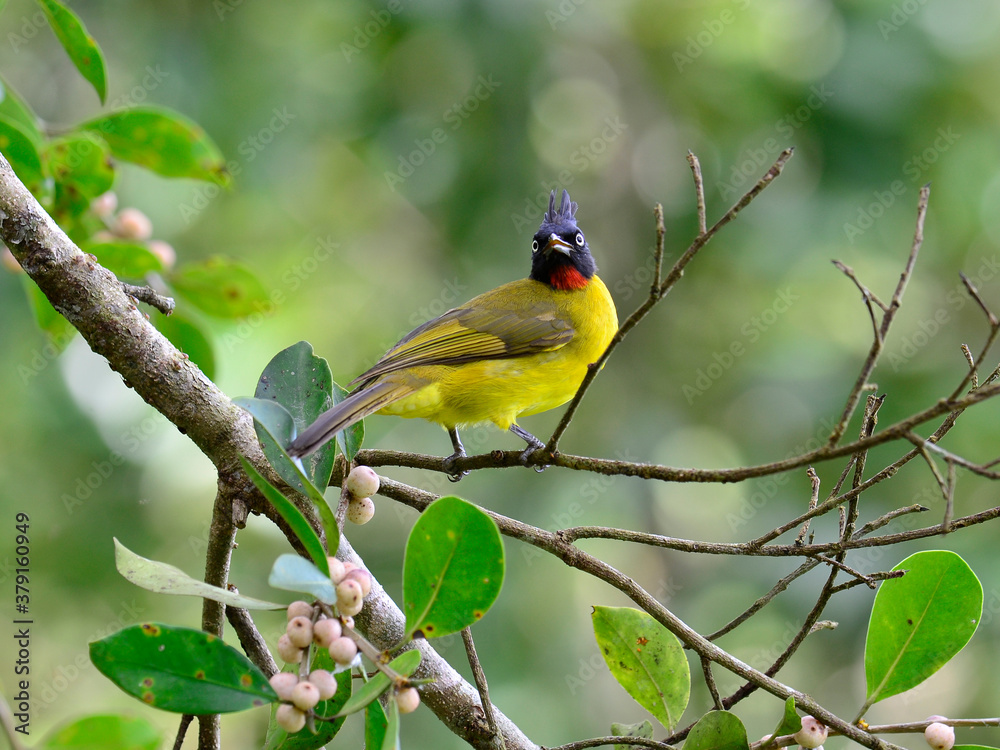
(579, 239)
(534, 246)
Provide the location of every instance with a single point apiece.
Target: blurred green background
(391, 160)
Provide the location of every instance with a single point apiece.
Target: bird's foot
(534, 445)
(449, 463)
(454, 475)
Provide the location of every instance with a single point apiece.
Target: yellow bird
(520, 349)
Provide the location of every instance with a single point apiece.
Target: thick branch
(92, 299)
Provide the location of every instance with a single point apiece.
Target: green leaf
(920, 621)
(273, 420)
(453, 568)
(189, 338)
(325, 730)
(391, 739)
(21, 150)
(127, 260)
(103, 733)
(301, 382)
(718, 730)
(973, 747)
(81, 167)
(180, 670)
(790, 721)
(14, 108)
(350, 438)
(646, 659)
(167, 579)
(293, 573)
(162, 141)
(405, 664)
(376, 724)
(59, 330)
(298, 523)
(79, 45)
(642, 729)
(221, 287)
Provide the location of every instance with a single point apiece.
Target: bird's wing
(492, 326)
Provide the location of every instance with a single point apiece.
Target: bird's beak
(558, 244)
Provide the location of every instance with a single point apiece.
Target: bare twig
(813, 501)
(699, 191)
(546, 455)
(713, 689)
(480, 677)
(251, 640)
(603, 741)
(887, 318)
(150, 296)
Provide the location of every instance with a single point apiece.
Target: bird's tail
(352, 409)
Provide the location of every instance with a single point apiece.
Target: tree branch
(93, 300)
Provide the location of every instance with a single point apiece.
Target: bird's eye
(579, 239)
(534, 246)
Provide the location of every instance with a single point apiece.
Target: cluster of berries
(361, 484)
(308, 626)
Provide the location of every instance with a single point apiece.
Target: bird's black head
(560, 256)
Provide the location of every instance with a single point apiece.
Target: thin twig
(972, 365)
(186, 720)
(706, 668)
(867, 580)
(480, 677)
(884, 576)
(251, 640)
(813, 501)
(661, 233)
(150, 296)
(762, 601)
(602, 741)
(548, 453)
(699, 191)
(876, 348)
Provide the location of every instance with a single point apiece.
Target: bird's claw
(449, 466)
(530, 451)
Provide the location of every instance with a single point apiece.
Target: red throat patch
(567, 278)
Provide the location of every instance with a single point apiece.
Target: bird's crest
(566, 211)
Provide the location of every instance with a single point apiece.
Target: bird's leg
(534, 444)
(449, 463)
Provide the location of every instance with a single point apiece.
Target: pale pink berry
(813, 733)
(326, 632)
(305, 695)
(133, 224)
(363, 577)
(343, 650)
(289, 653)
(350, 598)
(164, 251)
(289, 718)
(407, 699)
(299, 609)
(283, 682)
(300, 631)
(337, 570)
(105, 204)
(362, 482)
(360, 510)
(940, 736)
(325, 682)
